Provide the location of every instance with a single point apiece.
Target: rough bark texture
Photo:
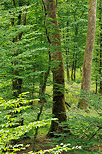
(58, 68)
(86, 79)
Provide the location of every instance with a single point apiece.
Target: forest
(51, 76)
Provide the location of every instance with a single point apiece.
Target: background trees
(32, 48)
(34, 36)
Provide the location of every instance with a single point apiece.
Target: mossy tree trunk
(58, 109)
(87, 64)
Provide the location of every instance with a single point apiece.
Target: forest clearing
(50, 76)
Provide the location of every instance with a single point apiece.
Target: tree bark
(58, 109)
(86, 79)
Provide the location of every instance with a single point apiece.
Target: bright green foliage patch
(10, 129)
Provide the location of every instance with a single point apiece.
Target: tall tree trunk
(43, 82)
(67, 51)
(72, 72)
(58, 69)
(14, 81)
(86, 79)
(96, 85)
(96, 69)
(75, 46)
(67, 54)
(67, 65)
(17, 82)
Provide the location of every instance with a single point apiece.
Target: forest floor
(42, 144)
(42, 140)
(39, 145)
(83, 124)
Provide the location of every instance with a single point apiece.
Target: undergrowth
(18, 119)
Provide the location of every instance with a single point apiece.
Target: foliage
(86, 127)
(58, 149)
(10, 126)
(29, 56)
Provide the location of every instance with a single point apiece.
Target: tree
(17, 81)
(53, 34)
(73, 25)
(86, 79)
(97, 57)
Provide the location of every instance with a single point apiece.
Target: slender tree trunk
(43, 81)
(14, 81)
(67, 54)
(96, 69)
(75, 47)
(86, 79)
(75, 65)
(58, 69)
(67, 65)
(67, 51)
(96, 85)
(17, 82)
(72, 72)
